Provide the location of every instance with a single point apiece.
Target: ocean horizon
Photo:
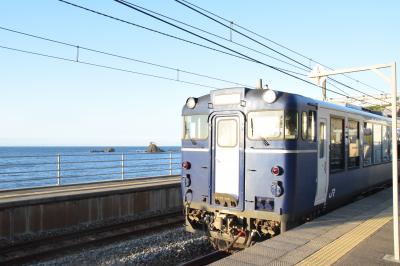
(36, 166)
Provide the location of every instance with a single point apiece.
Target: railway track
(53, 246)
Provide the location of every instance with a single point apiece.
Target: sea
(27, 167)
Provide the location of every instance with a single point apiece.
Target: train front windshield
(272, 125)
(195, 127)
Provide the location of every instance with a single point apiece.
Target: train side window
(322, 139)
(308, 125)
(336, 152)
(354, 144)
(385, 144)
(367, 149)
(304, 125)
(377, 140)
(311, 125)
(291, 124)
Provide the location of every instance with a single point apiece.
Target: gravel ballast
(167, 247)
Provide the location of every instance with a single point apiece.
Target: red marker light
(186, 165)
(276, 170)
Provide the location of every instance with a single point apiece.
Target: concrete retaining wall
(39, 217)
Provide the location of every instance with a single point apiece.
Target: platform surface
(36, 194)
(359, 233)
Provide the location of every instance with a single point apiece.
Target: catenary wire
(169, 35)
(151, 75)
(223, 38)
(128, 4)
(258, 42)
(139, 73)
(217, 36)
(106, 67)
(211, 41)
(123, 57)
(238, 54)
(220, 37)
(278, 44)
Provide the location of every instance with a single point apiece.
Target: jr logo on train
(257, 162)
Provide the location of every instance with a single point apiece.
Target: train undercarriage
(228, 230)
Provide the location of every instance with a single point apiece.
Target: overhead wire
(122, 57)
(276, 43)
(105, 66)
(216, 35)
(125, 70)
(238, 32)
(183, 2)
(237, 54)
(151, 75)
(118, 69)
(126, 3)
(220, 37)
(168, 35)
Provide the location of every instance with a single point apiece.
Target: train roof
(346, 108)
(301, 99)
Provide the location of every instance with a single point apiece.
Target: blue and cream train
(256, 162)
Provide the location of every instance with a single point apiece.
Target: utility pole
(317, 74)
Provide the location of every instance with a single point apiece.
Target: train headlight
(269, 96)
(277, 189)
(191, 102)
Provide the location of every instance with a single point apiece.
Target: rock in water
(153, 148)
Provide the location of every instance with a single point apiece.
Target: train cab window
(377, 140)
(265, 125)
(367, 149)
(291, 124)
(336, 152)
(195, 127)
(354, 144)
(308, 125)
(227, 130)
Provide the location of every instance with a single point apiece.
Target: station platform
(37, 195)
(36, 213)
(359, 233)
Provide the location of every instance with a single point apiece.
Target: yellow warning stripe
(332, 252)
(64, 190)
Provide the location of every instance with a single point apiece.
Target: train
(258, 162)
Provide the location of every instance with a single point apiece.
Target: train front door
(323, 154)
(228, 146)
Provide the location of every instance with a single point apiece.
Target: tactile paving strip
(338, 248)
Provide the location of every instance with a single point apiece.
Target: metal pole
(58, 169)
(122, 166)
(170, 163)
(394, 166)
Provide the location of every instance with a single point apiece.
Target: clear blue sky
(49, 102)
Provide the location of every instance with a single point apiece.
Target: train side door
(323, 153)
(227, 160)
